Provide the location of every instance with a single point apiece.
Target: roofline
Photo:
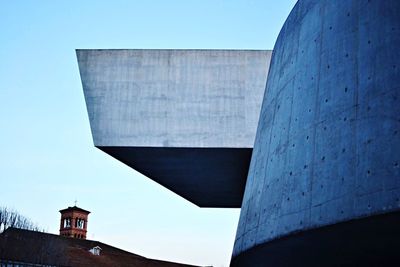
(74, 208)
(175, 49)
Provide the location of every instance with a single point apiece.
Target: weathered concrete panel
(203, 99)
(173, 98)
(327, 148)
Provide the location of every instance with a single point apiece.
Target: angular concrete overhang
(184, 118)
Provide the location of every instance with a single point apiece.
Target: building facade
(323, 177)
(184, 118)
(323, 187)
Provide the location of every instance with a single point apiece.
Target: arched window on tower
(67, 222)
(80, 223)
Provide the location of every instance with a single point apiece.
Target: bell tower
(74, 222)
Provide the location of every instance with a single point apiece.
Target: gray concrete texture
(184, 118)
(327, 148)
(173, 98)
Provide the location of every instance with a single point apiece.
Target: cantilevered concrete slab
(185, 118)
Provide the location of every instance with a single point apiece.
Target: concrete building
(323, 186)
(324, 182)
(185, 118)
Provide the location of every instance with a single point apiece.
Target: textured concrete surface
(166, 99)
(369, 241)
(173, 98)
(327, 148)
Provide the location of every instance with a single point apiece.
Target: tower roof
(74, 208)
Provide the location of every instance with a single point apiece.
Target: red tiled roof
(42, 248)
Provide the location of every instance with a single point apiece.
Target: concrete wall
(327, 148)
(186, 119)
(173, 98)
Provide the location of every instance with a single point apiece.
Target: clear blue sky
(47, 158)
